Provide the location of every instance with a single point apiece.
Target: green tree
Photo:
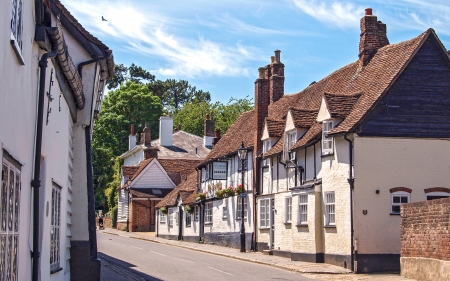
(192, 115)
(132, 103)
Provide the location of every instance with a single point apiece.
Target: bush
(114, 216)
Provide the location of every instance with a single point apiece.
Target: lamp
(242, 153)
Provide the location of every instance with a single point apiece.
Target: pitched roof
(241, 131)
(275, 149)
(339, 106)
(312, 135)
(303, 118)
(129, 171)
(185, 189)
(275, 127)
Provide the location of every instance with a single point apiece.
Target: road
(154, 261)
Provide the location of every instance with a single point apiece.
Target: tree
(132, 103)
(192, 115)
(133, 73)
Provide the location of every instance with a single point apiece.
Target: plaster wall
(384, 163)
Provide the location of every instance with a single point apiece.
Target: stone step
(268, 252)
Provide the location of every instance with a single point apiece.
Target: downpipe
(351, 182)
(36, 182)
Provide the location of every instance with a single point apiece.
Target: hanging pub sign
(220, 170)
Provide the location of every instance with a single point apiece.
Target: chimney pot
(272, 59)
(218, 133)
(368, 11)
(262, 72)
(277, 56)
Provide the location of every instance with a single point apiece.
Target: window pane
(396, 199)
(404, 199)
(396, 209)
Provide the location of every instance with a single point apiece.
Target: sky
(218, 46)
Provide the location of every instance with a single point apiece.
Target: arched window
(399, 196)
(437, 193)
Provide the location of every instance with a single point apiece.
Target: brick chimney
(276, 78)
(372, 37)
(151, 152)
(147, 135)
(217, 137)
(208, 132)
(131, 138)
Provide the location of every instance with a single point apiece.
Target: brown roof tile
(185, 188)
(241, 131)
(313, 134)
(340, 106)
(275, 127)
(275, 149)
(303, 118)
(184, 145)
(129, 171)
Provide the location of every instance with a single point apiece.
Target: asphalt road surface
(154, 261)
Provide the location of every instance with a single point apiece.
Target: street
(154, 261)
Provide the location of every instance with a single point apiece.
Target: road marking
(158, 254)
(137, 248)
(220, 271)
(184, 260)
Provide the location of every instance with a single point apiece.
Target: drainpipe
(351, 182)
(36, 182)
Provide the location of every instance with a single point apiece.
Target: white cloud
(143, 30)
(337, 13)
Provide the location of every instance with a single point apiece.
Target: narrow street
(153, 261)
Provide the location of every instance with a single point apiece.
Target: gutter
(36, 182)
(351, 182)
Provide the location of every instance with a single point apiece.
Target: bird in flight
(103, 19)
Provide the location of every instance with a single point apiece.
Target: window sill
(162, 222)
(17, 50)
(395, 214)
(56, 270)
(327, 154)
(208, 223)
(287, 223)
(302, 225)
(329, 226)
(264, 228)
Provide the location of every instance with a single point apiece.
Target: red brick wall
(426, 229)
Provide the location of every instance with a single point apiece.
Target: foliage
(189, 209)
(192, 115)
(103, 172)
(114, 216)
(201, 196)
(133, 73)
(163, 210)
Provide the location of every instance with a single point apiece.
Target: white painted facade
(63, 156)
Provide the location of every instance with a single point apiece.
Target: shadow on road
(117, 270)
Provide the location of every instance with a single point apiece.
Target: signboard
(220, 170)
(243, 195)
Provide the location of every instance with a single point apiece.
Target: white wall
(384, 163)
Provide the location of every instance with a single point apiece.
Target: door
(272, 223)
(180, 222)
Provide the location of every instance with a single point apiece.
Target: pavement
(321, 271)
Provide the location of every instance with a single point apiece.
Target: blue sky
(218, 45)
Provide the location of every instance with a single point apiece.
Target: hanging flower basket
(201, 196)
(238, 190)
(163, 210)
(220, 193)
(189, 209)
(229, 191)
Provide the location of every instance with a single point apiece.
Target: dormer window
(266, 147)
(327, 142)
(290, 138)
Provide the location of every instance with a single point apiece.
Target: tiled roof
(275, 149)
(339, 106)
(275, 127)
(184, 145)
(241, 131)
(186, 188)
(314, 133)
(129, 171)
(303, 118)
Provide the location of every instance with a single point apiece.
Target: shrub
(114, 216)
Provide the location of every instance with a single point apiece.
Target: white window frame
(188, 218)
(288, 209)
(327, 142)
(170, 217)
(290, 138)
(55, 232)
(264, 213)
(16, 28)
(238, 209)
(437, 193)
(9, 219)
(330, 208)
(162, 217)
(266, 147)
(196, 213)
(208, 212)
(303, 209)
(401, 195)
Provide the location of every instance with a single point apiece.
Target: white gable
(289, 122)
(265, 134)
(153, 176)
(324, 114)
